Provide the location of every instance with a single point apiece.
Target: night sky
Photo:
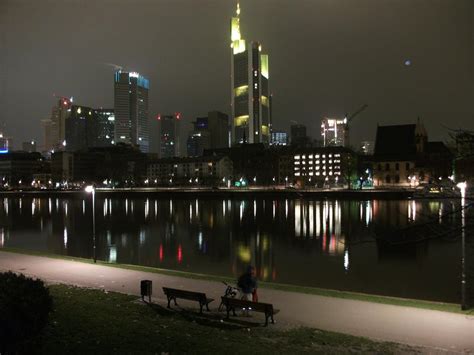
(327, 57)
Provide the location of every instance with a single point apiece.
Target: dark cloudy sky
(327, 57)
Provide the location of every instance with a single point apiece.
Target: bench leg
(169, 300)
(200, 307)
(175, 303)
(266, 319)
(207, 307)
(273, 322)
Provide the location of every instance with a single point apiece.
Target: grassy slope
(92, 321)
(437, 306)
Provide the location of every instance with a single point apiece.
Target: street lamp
(91, 189)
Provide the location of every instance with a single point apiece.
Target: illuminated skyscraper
(250, 95)
(131, 109)
(334, 132)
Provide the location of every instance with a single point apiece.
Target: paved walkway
(413, 326)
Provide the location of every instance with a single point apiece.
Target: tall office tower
(298, 135)
(59, 114)
(197, 142)
(105, 127)
(169, 135)
(80, 128)
(131, 109)
(47, 126)
(218, 126)
(279, 138)
(334, 132)
(89, 128)
(250, 96)
(29, 146)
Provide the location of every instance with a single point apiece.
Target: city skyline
(418, 71)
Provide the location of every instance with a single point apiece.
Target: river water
(337, 244)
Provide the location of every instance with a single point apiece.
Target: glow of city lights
(113, 254)
(346, 260)
(65, 238)
(161, 254)
(462, 186)
(180, 254)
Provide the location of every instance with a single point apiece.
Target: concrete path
(413, 326)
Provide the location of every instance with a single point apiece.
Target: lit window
(297, 156)
(303, 157)
(317, 155)
(297, 163)
(311, 173)
(337, 155)
(310, 162)
(297, 174)
(317, 173)
(330, 155)
(317, 168)
(317, 161)
(330, 162)
(310, 156)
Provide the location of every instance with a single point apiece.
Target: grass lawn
(93, 321)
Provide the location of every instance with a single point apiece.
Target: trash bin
(145, 289)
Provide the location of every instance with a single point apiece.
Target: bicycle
(231, 292)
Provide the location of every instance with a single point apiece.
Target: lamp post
(91, 189)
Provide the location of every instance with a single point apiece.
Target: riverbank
(86, 321)
(396, 301)
(378, 321)
(222, 193)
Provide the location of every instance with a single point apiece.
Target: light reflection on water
(326, 243)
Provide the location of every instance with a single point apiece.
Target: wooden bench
(173, 294)
(232, 303)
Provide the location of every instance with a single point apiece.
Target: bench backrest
(257, 306)
(189, 295)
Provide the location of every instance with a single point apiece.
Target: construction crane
(352, 116)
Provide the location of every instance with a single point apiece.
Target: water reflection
(316, 243)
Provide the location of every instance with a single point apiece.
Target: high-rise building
(59, 114)
(250, 95)
(131, 109)
(89, 128)
(334, 132)
(279, 138)
(298, 135)
(105, 127)
(197, 142)
(79, 128)
(47, 127)
(218, 126)
(209, 132)
(169, 135)
(29, 146)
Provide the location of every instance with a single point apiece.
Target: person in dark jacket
(247, 284)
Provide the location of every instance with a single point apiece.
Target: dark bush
(25, 304)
